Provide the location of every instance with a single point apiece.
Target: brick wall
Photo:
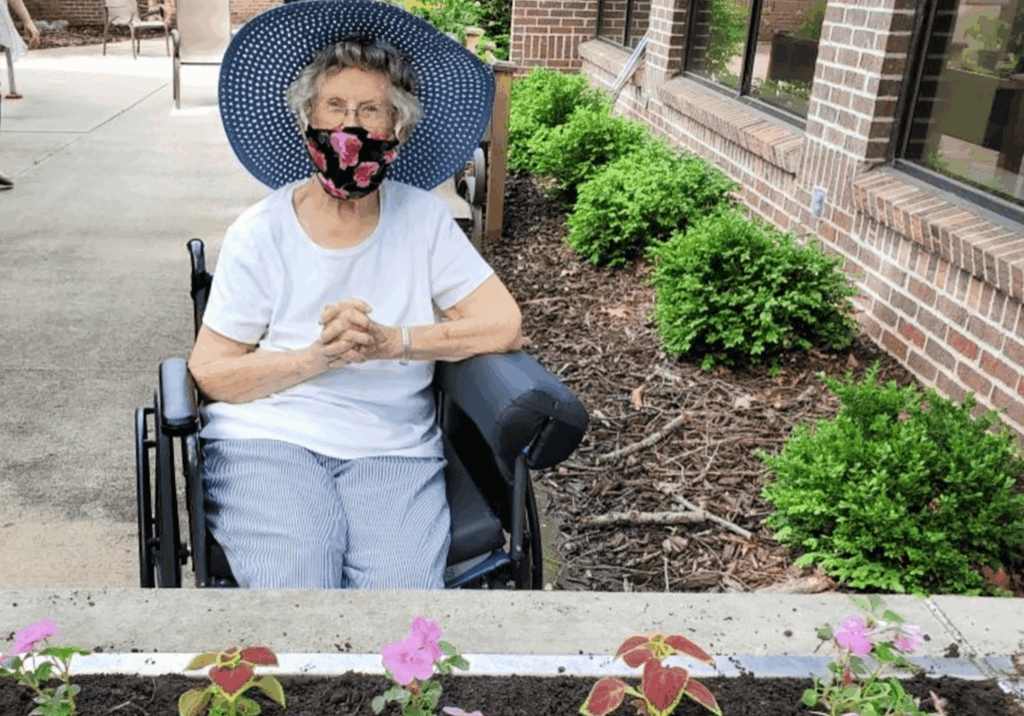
(549, 32)
(941, 284)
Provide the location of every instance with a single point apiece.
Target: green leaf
(891, 616)
(810, 697)
(191, 703)
(378, 704)
(860, 603)
(42, 674)
(272, 687)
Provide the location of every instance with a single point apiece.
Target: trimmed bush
(544, 99)
(575, 151)
(900, 492)
(641, 198)
(731, 289)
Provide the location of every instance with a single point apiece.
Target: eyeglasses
(371, 115)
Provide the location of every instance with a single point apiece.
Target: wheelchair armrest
(178, 398)
(513, 400)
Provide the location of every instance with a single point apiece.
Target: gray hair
(376, 56)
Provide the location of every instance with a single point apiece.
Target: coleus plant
(662, 688)
(231, 677)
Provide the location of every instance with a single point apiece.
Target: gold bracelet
(405, 346)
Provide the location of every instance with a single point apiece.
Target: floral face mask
(351, 162)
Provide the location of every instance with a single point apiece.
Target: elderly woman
(333, 297)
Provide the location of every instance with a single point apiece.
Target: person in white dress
(11, 39)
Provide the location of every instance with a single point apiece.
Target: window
(962, 120)
(778, 69)
(623, 22)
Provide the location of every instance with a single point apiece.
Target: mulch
(89, 35)
(588, 325)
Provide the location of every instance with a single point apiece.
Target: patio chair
(125, 13)
(500, 415)
(201, 38)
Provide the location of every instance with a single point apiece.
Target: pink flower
(364, 173)
(318, 158)
(428, 633)
(347, 145)
(390, 155)
(27, 638)
(456, 711)
(407, 661)
(852, 635)
(909, 639)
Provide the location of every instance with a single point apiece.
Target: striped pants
(291, 518)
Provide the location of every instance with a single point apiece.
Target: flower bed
(854, 683)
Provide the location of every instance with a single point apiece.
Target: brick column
(549, 32)
(667, 41)
(861, 56)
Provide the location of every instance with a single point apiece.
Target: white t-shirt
(269, 285)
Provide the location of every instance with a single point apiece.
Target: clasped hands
(349, 335)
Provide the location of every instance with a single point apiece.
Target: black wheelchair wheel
(168, 568)
(142, 482)
(535, 577)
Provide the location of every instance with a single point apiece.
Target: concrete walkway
(111, 181)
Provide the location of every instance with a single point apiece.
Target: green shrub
(733, 289)
(574, 151)
(543, 99)
(900, 492)
(641, 198)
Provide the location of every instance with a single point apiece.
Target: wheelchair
(501, 414)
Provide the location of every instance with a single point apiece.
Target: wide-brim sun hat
(455, 88)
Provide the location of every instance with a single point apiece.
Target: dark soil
(103, 695)
(588, 326)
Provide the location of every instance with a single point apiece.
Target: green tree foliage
(902, 491)
(728, 34)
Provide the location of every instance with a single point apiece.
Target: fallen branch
(660, 518)
(712, 518)
(646, 442)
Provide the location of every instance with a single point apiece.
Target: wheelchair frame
(558, 421)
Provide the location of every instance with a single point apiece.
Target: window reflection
(787, 48)
(719, 36)
(624, 22)
(967, 121)
(784, 72)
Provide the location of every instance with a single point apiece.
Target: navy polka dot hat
(455, 88)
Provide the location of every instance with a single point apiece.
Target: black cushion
(512, 399)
